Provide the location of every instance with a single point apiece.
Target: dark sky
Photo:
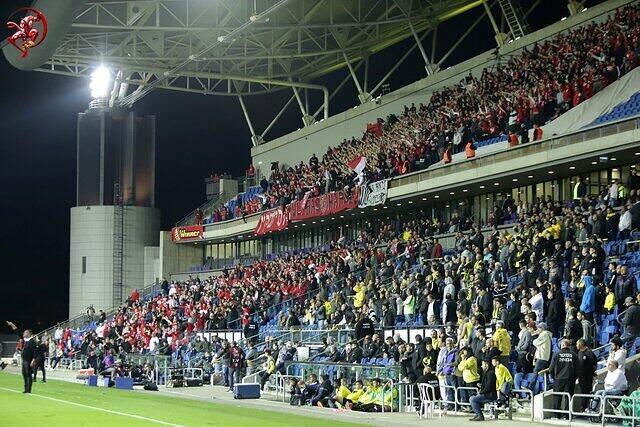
(196, 135)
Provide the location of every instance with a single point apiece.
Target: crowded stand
(509, 102)
(536, 297)
(508, 300)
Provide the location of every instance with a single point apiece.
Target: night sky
(196, 136)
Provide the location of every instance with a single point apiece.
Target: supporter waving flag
(358, 164)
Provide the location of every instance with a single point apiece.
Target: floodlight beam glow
(100, 82)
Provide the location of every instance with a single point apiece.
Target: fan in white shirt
(615, 384)
(537, 304)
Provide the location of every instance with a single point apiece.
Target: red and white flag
(358, 164)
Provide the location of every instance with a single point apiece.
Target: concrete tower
(114, 218)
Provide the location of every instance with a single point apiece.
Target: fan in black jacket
(486, 393)
(573, 329)
(556, 312)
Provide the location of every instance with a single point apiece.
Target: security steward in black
(565, 366)
(364, 327)
(588, 366)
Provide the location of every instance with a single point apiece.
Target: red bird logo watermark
(26, 35)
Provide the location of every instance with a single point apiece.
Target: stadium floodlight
(100, 82)
(258, 18)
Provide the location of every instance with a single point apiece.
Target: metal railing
(354, 370)
(616, 416)
(281, 385)
(70, 363)
(562, 394)
(206, 208)
(444, 398)
(81, 320)
(458, 396)
(574, 401)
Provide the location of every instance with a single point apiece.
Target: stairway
(118, 247)
(514, 16)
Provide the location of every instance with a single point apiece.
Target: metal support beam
(460, 40)
(501, 38)
(117, 84)
(275, 119)
(307, 120)
(129, 100)
(398, 63)
(362, 96)
(434, 41)
(337, 89)
(418, 40)
(254, 138)
(427, 63)
(366, 73)
(575, 6)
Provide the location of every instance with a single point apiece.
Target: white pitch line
(124, 414)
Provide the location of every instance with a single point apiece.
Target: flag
(305, 198)
(358, 164)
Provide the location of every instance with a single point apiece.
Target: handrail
(145, 292)
(310, 293)
(631, 417)
(586, 414)
(444, 398)
(388, 385)
(460, 402)
(553, 139)
(204, 207)
(338, 364)
(557, 411)
(525, 391)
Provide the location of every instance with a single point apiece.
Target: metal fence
(608, 407)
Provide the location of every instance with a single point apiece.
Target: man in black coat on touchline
(28, 356)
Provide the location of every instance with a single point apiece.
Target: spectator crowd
(529, 90)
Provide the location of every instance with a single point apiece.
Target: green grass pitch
(59, 403)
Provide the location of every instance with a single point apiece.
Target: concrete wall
(141, 230)
(151, 264)
(177, 258)
(91, 237)
(300, 145)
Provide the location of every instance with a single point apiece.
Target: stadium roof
(242, 47)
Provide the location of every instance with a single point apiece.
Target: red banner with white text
(272, 220)
(187, 234)
(327, 204)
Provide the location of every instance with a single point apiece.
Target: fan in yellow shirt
(469, 367)
(352, 397)
(610, 300)
(504, 380)
(342, 392)
(358, 299)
